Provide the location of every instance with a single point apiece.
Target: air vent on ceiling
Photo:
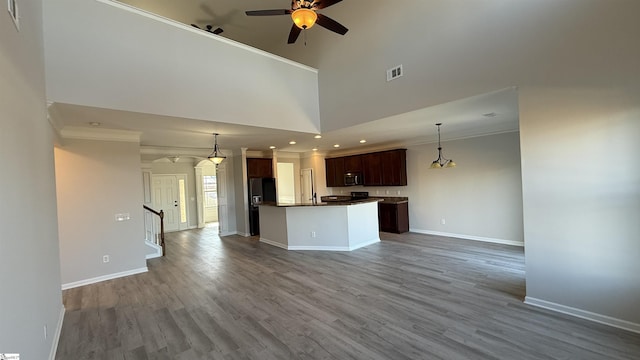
(394, 72)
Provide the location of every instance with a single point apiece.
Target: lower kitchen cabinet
(393, 217)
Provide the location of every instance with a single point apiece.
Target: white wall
(581, 181)
(315, 162)
(241, 202)
(197, 75)
(29, 262)
(481, 197)
(96, 180)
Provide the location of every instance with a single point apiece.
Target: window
(183, 200)
(210, 187)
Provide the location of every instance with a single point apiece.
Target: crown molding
(180, 151)
(81, 133)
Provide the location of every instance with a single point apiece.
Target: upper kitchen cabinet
(385, 168)
(394, 167)
(372, 169)
(353, 163)
(259, 168)
(335, 172)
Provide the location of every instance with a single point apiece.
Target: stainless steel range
(359, 195)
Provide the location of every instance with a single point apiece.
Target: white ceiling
(461, 118)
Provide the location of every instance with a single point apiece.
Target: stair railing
(154, 230)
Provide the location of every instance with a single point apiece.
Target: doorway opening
(286, 184)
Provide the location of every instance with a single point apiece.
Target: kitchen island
(335, 226)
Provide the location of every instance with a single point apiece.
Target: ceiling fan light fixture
(304, 18)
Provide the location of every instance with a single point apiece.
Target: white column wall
(581, 188)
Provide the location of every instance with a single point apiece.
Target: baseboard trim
(227, 233)
(366, 243)
(274, 243)
(104, 278)
(318, 248)
(56, 335)
(583, 314)
(469, 237)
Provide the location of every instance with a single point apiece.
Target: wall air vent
(395, 72)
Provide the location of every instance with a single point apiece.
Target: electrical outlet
(387, 192)
(105, 259)
(443, 221)
(313, 234)
(398, 192)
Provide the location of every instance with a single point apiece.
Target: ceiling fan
(209, 28)
(304, 15)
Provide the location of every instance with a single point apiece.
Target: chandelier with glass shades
(441, 161)
(216, 156)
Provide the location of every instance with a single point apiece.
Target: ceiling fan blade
(268, 12)
(218, 31)
(321, 4)
(196, 26)
(293, 35)
(330, 24)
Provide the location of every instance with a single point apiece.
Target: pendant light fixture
(216, 156)
(441, 161)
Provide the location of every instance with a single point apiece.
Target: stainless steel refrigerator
(261, 190)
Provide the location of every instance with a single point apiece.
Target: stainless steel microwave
(352, 178)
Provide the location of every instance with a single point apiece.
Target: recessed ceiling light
(491, 114)
(292, 142)
(318, 137)
(336, 145)
(94, 123)
(272, 147)
(363, 141)
(315, 149)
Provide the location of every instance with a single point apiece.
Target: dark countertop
(385, 199)
(329, 203)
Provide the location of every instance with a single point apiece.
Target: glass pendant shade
(451, 164)
(435, 165)
(217, 159)
(304, 18)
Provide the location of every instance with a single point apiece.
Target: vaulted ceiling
(461, 59)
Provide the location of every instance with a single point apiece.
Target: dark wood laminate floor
(409, 297)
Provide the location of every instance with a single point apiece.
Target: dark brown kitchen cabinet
(259, 168)
(393, 217)
(385, 168)
(335, 172)
(372, 169)
(353, 163)
(394, 167)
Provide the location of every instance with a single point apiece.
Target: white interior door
(307, 186)
(165, 198)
